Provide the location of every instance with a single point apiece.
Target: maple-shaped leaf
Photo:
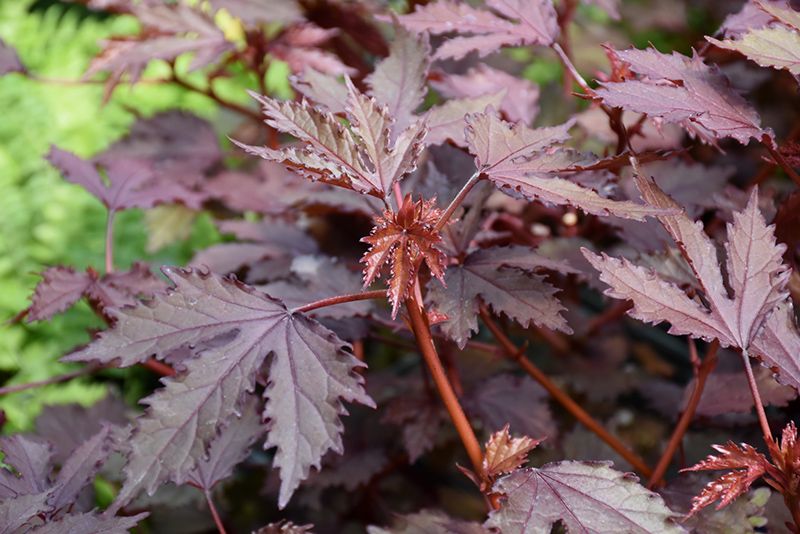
(81, 466)
(168, 31)
(67, 426)
(90, 522)
(9, 60)
(517, 401)
(585, 496)
(747, 465)
(507, 279)
(131, 183)
(505, 23)
(503, 454)
(520, 102)
(527, 161)
(33, 497)
(683, 90)
(61, 287)
(398, 82)
(756, 276)
(777, 45)
(429, 522)
(403, 240)
(233, 328)
(230, 447)
(362, 158)
(177, 145)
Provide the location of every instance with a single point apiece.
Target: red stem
(214, 513)
(562, 398)
(340, 299)
(422, 333)
(762, 415)
(456, 202)
(701, 375)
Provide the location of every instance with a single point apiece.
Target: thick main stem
(340, 299)
(762, 415)
(456, 202)
(562, 398)
(685, 420)
(422, 333)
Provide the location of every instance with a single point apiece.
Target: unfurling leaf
(232, 328)
(756, 276)
(586, 497)
(404, 240)
(686, 91)
(504, 454)
(506, 23)
(524, 160)
(508, 279)
(748, 465)
(363, 158)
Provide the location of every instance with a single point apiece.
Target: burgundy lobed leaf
(335, 154)
(584, 496)
(420, 418)
(686, 91)
(61, 287)
(131, 183)
(507, 23)
(169, 31)
(747, 465)
(298, 46)
(177, 145)
(526, 161)
(284, 527)
(170, 438)
(520, 402)
(398, 82)
(507, 279)
(756, 276)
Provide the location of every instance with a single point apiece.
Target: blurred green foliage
(48, 221)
